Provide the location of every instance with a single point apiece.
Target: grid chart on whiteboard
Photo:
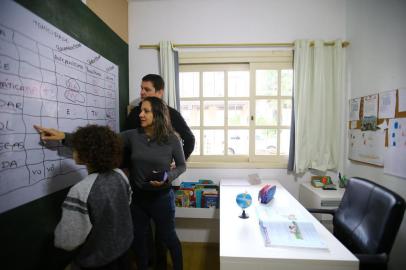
(43, 86)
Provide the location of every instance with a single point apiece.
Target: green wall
(26, 232)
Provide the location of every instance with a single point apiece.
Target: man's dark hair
(98, 147)
(162, 122)
(156, 80)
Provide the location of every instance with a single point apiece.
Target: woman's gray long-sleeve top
(143, 156)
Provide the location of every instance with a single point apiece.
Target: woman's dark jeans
(161, 209)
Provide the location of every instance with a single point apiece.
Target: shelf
(184, 212)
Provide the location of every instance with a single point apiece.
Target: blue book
(211, 200)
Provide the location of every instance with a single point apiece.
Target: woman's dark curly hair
(98, 147)
(162, 121)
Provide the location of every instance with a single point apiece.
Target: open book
(280, 230)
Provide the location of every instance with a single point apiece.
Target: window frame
(242, 60)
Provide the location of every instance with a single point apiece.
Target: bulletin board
(377, 146)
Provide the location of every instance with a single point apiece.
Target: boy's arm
(68, 140)
(74, 226)
(50, 134)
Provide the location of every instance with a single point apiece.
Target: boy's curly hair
(98, 147)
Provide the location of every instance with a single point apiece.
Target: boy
(96, 217)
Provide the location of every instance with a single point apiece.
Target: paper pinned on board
(387, 104)
(371, 106)
(354, 108)
(395, 156)
(402, 100)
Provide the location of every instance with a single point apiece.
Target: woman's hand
(50, 134)
(157, 183)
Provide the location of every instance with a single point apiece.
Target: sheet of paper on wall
(354, 108)
(367, 146)
(387, 104)
(370, 105)
(402, 100)
(395, 156)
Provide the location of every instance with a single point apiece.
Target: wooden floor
(198, 256)
(201, 256)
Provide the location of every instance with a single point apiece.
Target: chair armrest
(322, 211)
(381, 258)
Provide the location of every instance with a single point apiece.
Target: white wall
(377, 62)
(226, 21)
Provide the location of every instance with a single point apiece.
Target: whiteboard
(46, 78)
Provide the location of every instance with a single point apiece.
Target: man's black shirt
(178, 124)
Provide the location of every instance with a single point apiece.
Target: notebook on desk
(290, 234)
(287, 227)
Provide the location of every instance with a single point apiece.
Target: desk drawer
(329, 203)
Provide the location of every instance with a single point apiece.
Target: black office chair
(367, 221)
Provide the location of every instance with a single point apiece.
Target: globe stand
(244, 215)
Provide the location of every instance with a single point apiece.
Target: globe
(243, 200)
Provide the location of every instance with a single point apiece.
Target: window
(239, 111)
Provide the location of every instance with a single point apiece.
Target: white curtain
(167, 70)
(318, 103)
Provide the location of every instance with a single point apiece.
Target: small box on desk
(319, 181)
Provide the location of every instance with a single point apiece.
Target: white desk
(242, 246)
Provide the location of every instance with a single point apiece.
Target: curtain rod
(235, 45)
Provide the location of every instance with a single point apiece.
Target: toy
(320, 181)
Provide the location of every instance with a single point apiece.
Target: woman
(151, 150)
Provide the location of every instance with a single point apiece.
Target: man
(153, 85)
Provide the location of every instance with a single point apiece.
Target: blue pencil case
(266, 194)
